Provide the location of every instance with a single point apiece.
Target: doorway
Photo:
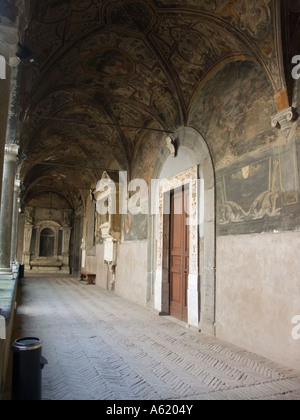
(192, 167)
(47, 243)
(179, 254)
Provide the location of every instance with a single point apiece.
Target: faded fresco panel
(146, 153)
(247, 183)
(233, 106)
(135, 227)
(259, 194)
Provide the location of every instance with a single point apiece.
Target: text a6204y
(169, 409)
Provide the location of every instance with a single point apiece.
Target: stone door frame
(162, 287)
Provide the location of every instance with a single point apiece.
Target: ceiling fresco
(108, 71)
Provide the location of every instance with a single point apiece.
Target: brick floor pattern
(101, 347)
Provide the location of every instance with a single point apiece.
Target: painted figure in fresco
(111, 63)
(253, 16)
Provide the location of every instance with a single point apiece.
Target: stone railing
(8, 290)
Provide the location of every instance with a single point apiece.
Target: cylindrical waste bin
(21, 271)
(28, 363)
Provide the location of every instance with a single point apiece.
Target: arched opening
(47, 239)
(195, 174)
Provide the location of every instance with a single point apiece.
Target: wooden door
(179, 255)
(47, 240)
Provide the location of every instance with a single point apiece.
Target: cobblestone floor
(102, 347)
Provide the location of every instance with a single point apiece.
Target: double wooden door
(179, 255)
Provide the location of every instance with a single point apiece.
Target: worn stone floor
(100, 347)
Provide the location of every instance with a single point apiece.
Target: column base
(208, 327)
(6, 274)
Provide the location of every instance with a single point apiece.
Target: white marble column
(6, 211)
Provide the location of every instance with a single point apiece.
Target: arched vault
(109, 71)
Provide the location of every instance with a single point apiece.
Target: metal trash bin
(21, 271)
(28, 363)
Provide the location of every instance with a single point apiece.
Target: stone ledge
(46, 263)
(2, 328)
(8, 290)
(7, 298)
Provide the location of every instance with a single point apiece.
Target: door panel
(175, 290)
(179, 256)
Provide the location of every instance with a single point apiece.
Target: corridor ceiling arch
(108, 71)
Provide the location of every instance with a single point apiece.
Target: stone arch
(193, 159)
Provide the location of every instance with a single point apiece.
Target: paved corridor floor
(101, 347)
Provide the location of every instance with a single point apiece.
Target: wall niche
(47, 234)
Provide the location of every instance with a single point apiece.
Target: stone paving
(100, 347)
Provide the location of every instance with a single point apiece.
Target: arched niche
(47, 235)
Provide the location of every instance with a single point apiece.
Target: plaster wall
(131, 271)
(258, 287)
(95, 264)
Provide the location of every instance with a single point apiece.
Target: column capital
(284, 120)
(11, 153)
(9, 39)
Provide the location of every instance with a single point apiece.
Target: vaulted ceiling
(108, 71)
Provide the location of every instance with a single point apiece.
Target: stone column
(9, 39)
(6, 211)
(15, 222)
(26, 246)
(28, 229)
(66, 247)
